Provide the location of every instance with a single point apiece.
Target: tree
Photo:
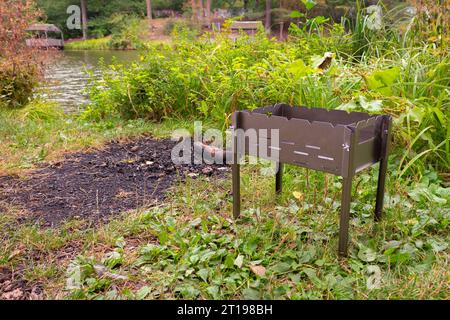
(21, 67)
(149, 14)
(268, 14)
(200, 10)
(84, 18)
(208, 12)
(194, 10)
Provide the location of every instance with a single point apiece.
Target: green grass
(42, 132)
(105, 44)
(190, 247)
(90, 44)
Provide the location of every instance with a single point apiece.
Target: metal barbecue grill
(332, 141)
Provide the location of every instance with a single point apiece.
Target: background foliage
(21, 67)
(388, 72)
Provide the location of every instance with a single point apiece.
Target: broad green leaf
(163, 237)
(306, 256)
(370, 106)
(143, 292)
(296, 14)
(112, 259)
(282, 267)
(194, 258)
(229, 261)
(362, 103)
(251, 294)
(251, 246)
(213, 291)
(299, 69)
(120, 242)
(437, 246)
(416, 114)
(348, 106)
(382, 80)
(309, 4)
(400, 257)
(187, 291)
(203, 274)
(318, 20)
(393, 244)
(312, 275)
(367, 254)
(295, 277)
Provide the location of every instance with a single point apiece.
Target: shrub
(128, 32)
(20, 67)
(182, 25)
(18, 78)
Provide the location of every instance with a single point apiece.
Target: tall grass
(90, 44)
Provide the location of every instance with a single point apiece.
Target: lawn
(186, 244)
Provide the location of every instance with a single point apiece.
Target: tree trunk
(246, 5)
(208, 12)
(149, 15)
(282, 22)
(194, 10)
(200, 10)
(268, 14)
(281, 30)
(84, 19)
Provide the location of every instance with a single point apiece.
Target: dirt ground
(95, 185)
(14, 287)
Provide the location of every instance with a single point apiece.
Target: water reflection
(67, 79)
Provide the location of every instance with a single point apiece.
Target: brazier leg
(380, 189)
(385, 137)
(279, 178)
(235, 171)
(345, 215)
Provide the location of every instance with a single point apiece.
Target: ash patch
(95, 185)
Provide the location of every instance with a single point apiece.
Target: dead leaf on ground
(297, 195)
(258, 270)
(16, 294)
(16, 253)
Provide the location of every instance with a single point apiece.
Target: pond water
(67, 79)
